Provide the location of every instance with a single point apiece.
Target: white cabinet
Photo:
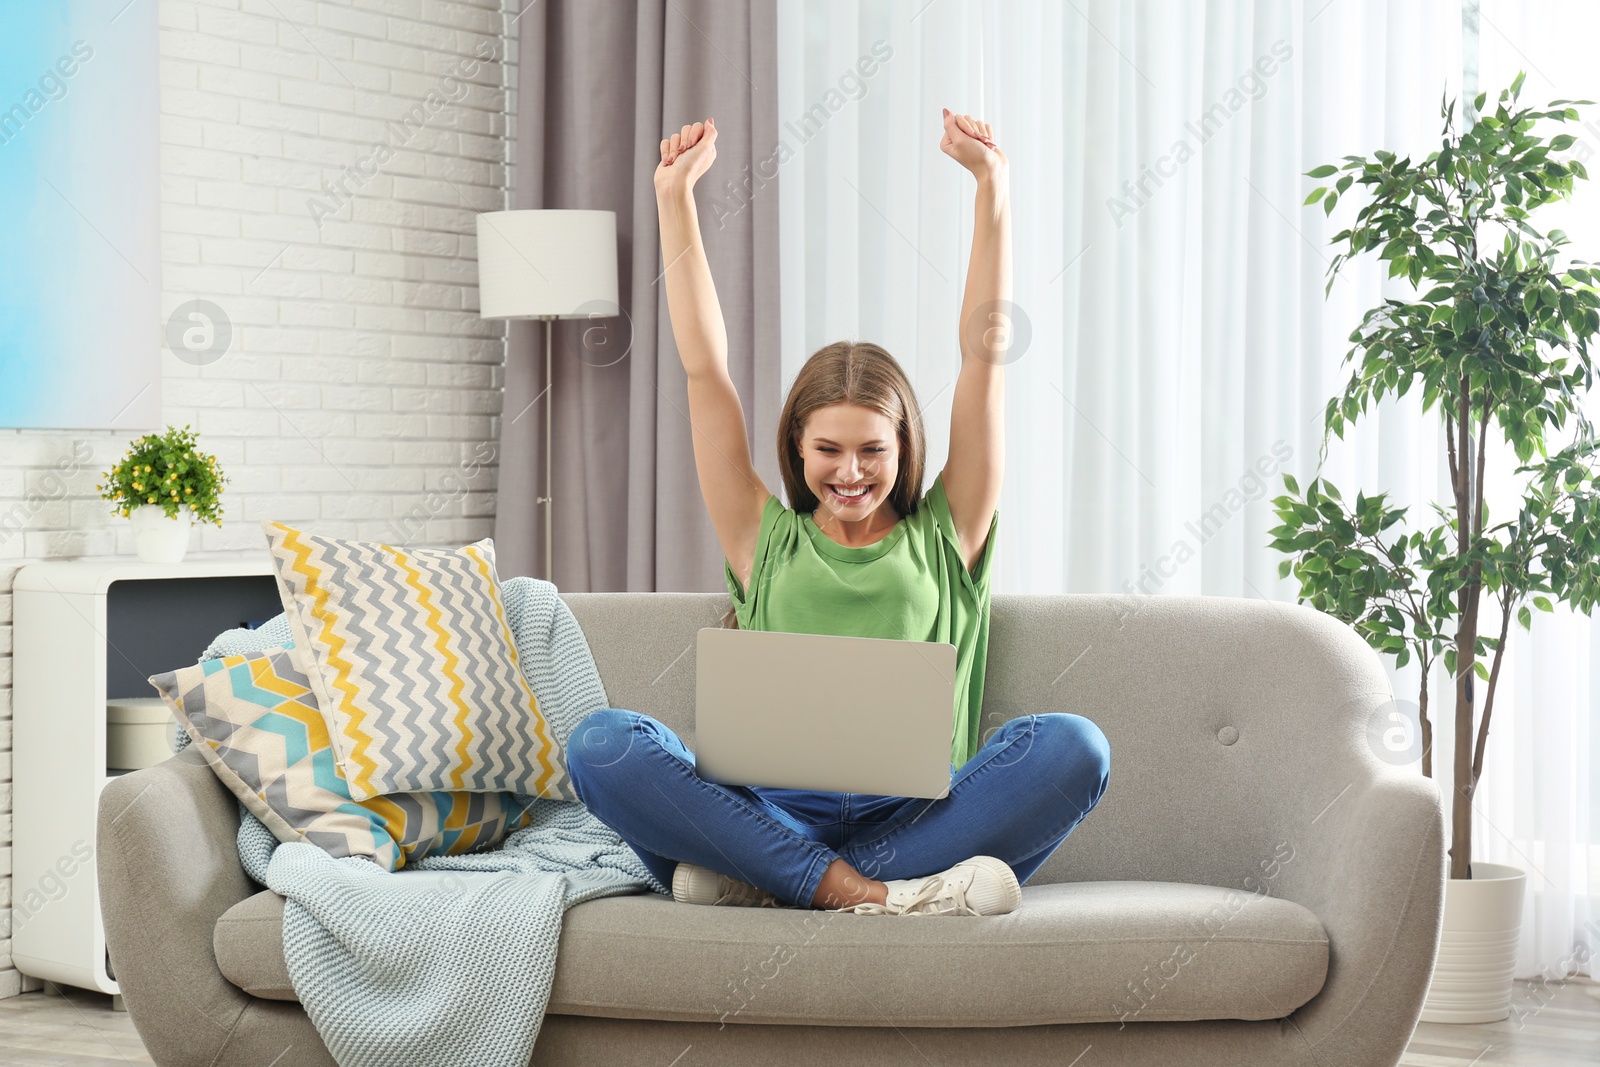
(85, 631)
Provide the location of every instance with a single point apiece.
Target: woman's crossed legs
(1017, 799)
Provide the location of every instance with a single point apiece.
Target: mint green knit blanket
(448, 961)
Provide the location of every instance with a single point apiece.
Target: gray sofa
(1256, 886)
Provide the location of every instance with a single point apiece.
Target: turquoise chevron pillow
(256, 721)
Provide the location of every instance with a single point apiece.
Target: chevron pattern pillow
(415, 667)
(256, 721)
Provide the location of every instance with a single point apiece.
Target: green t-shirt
(910, 585)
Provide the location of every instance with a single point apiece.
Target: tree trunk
(1461, 807)
(1425, 724)
(1466, 648)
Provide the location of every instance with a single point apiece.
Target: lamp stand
(549, 417)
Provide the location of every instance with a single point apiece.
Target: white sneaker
(693, 884)
(982, 885)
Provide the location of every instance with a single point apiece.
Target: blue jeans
(1016, 799)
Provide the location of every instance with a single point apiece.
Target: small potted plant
(1496, 340)
(163, 484)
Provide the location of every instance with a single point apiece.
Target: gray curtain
(599, 85)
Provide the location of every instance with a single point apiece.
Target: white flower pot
(158, 538)
(1477, 947)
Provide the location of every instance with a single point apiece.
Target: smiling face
(848, 447)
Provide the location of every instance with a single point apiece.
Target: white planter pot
(1477, 947)
(158, 538)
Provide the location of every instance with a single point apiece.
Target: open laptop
(816, 711)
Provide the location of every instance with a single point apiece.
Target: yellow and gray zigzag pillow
(414, 666)
(255, 720)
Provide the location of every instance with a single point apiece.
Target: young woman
(862, 552)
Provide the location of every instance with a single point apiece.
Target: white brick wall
(360, 376)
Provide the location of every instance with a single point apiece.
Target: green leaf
(1542, 603)
(1324, 171)
(1525, 617)
(1480, 670)
(1316, 194)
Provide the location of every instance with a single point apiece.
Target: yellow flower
(152, 500)
(188, 490)
(138, 487)
(147, 466)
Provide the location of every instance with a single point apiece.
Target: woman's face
(847, 447)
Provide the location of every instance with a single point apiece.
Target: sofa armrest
(168, 867)
(1375, 875)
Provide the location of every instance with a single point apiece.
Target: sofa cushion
(248, 942)
(1072, 952)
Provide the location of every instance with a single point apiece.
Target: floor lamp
(547, 265)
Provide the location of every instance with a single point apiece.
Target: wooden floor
(1559, 1027)
(77, 1028)
(1551, 1025)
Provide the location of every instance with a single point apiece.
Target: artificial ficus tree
(1497, 336)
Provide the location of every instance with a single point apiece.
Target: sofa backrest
(1234, 723)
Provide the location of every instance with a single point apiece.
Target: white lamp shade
(537, 263)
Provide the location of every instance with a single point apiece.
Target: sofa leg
(51, 989)
(116, 1002)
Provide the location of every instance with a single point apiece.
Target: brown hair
(850, 372)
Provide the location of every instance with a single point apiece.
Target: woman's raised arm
(976, 464)
(733, 492)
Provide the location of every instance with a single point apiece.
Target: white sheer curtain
(1540, 789)
(1172, 281)
(1182, 346)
